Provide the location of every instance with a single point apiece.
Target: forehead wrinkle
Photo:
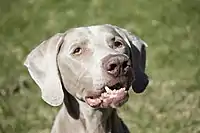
(103, 34)
(77, 35)
(95, 35)
(107, 32)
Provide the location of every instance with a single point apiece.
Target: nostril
(112, 67)
(125, 64)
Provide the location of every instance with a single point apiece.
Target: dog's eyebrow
(78, 43)
(76, 38)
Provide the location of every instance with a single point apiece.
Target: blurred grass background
(171, 104)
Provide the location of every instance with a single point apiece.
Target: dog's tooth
(122, 89)
(108, 89)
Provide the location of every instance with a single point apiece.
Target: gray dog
(89, 70)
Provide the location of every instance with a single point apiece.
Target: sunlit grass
(171, 103)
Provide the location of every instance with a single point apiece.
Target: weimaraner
(89, 70)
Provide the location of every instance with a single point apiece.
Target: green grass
(171, 103)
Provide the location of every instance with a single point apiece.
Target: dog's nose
(116, 65)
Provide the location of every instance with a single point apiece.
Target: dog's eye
(118, 44)
(77, 51)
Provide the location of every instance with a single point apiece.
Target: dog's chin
(108, 97)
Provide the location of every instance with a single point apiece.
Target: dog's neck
(82, 118)
(96, 120)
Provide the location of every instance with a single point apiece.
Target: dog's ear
(138, 57)
(42, 66)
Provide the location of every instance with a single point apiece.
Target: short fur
(67, 79)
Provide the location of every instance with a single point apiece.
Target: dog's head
(96, 64)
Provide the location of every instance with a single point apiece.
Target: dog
(89, 70)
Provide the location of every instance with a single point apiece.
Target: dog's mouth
(110, 96)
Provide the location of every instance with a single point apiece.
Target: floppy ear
(138, 57)
(42, 66)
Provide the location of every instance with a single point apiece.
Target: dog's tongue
(107, 98)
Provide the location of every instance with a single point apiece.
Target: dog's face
(95, 64)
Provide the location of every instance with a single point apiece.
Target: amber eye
(77, 51)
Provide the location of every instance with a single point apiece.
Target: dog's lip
(107, 97)
(95, 94)
(116, 86)
(98, 92)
